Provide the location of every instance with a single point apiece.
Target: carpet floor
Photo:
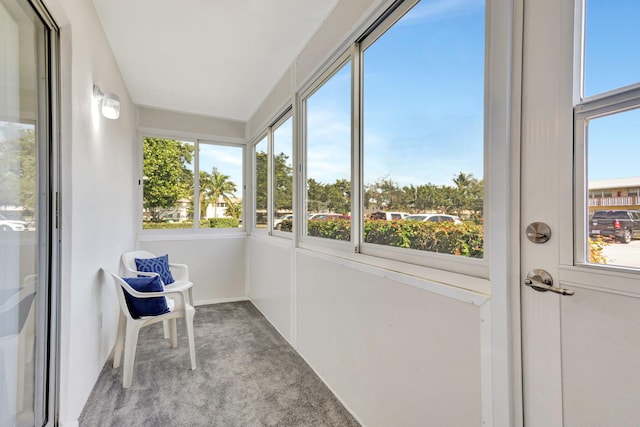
(247, 375)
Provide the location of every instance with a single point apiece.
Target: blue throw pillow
(145, 306)
(158, 265)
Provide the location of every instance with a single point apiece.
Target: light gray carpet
(247, 375)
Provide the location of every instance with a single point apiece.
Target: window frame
(300, 226)
(286, 115)
(478, 267)
(196, 141)
(263, 136)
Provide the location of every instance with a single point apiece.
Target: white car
(12, 224)
(434, 218)
(277, 223)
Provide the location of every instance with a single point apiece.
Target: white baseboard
(219, 300)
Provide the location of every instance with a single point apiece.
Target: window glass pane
(283, 176)
(167, 184)
(220, 195)
(613, 230)
(261, 162)
(611, 45)
(329, 158)
(423, 125)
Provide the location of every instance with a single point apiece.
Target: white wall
(269, 278)
(393, 353)
(182, 124)
(97, 200)
(216, 264)
(395, 349)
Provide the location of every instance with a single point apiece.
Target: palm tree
(215, 186)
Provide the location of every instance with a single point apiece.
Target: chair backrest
(128, 262)
(16, 309)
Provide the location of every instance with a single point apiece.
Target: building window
(170, 187)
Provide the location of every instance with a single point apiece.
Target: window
(170, 189)
(607, 115)
(423, 126)
(283, 175)
(394, 138)
(328, 157)
(262, 185)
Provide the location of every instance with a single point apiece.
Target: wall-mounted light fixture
(109, 103)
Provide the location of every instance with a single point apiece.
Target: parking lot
(625, 255)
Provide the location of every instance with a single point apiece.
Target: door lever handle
(542, 281)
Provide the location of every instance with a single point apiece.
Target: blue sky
(423, 97)
(228, 160)
(423, 101)
(611, 61)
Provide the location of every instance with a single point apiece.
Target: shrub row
(204, 223)
(445, 237)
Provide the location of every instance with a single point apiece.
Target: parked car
(389, 216)
(326, 216)
(277, 223)
(434, 218)
(622, 225)
(7, 224)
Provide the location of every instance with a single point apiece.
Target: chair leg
(165, 329)
(191, 295)
(192, 347)
(173, 333)
(130, 344)
(117, 351)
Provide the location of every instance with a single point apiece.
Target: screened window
(173, 197)
(607, 127)
(328, 157)
(423, 126)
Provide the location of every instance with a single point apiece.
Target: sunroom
(399, 187)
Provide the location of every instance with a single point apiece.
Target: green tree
(316, 196)
(166, 176)
(470, 194)
(261, 181)
(283, 183)
(218, 186)
(18, 168)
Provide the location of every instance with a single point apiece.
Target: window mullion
(356, 148)
(196, 185)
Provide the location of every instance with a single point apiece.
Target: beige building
(619, 193)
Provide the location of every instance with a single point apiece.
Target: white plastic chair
(129, 328)
(180, 272)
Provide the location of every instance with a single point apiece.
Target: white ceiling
(213, 57)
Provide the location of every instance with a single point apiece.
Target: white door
(580, 353)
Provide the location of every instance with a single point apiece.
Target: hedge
(204, 223)
(445, 237)
(224, 223)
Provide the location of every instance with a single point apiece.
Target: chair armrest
(179, 271)
(145, 273)
(176, 294)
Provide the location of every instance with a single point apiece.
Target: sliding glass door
(26, 226)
